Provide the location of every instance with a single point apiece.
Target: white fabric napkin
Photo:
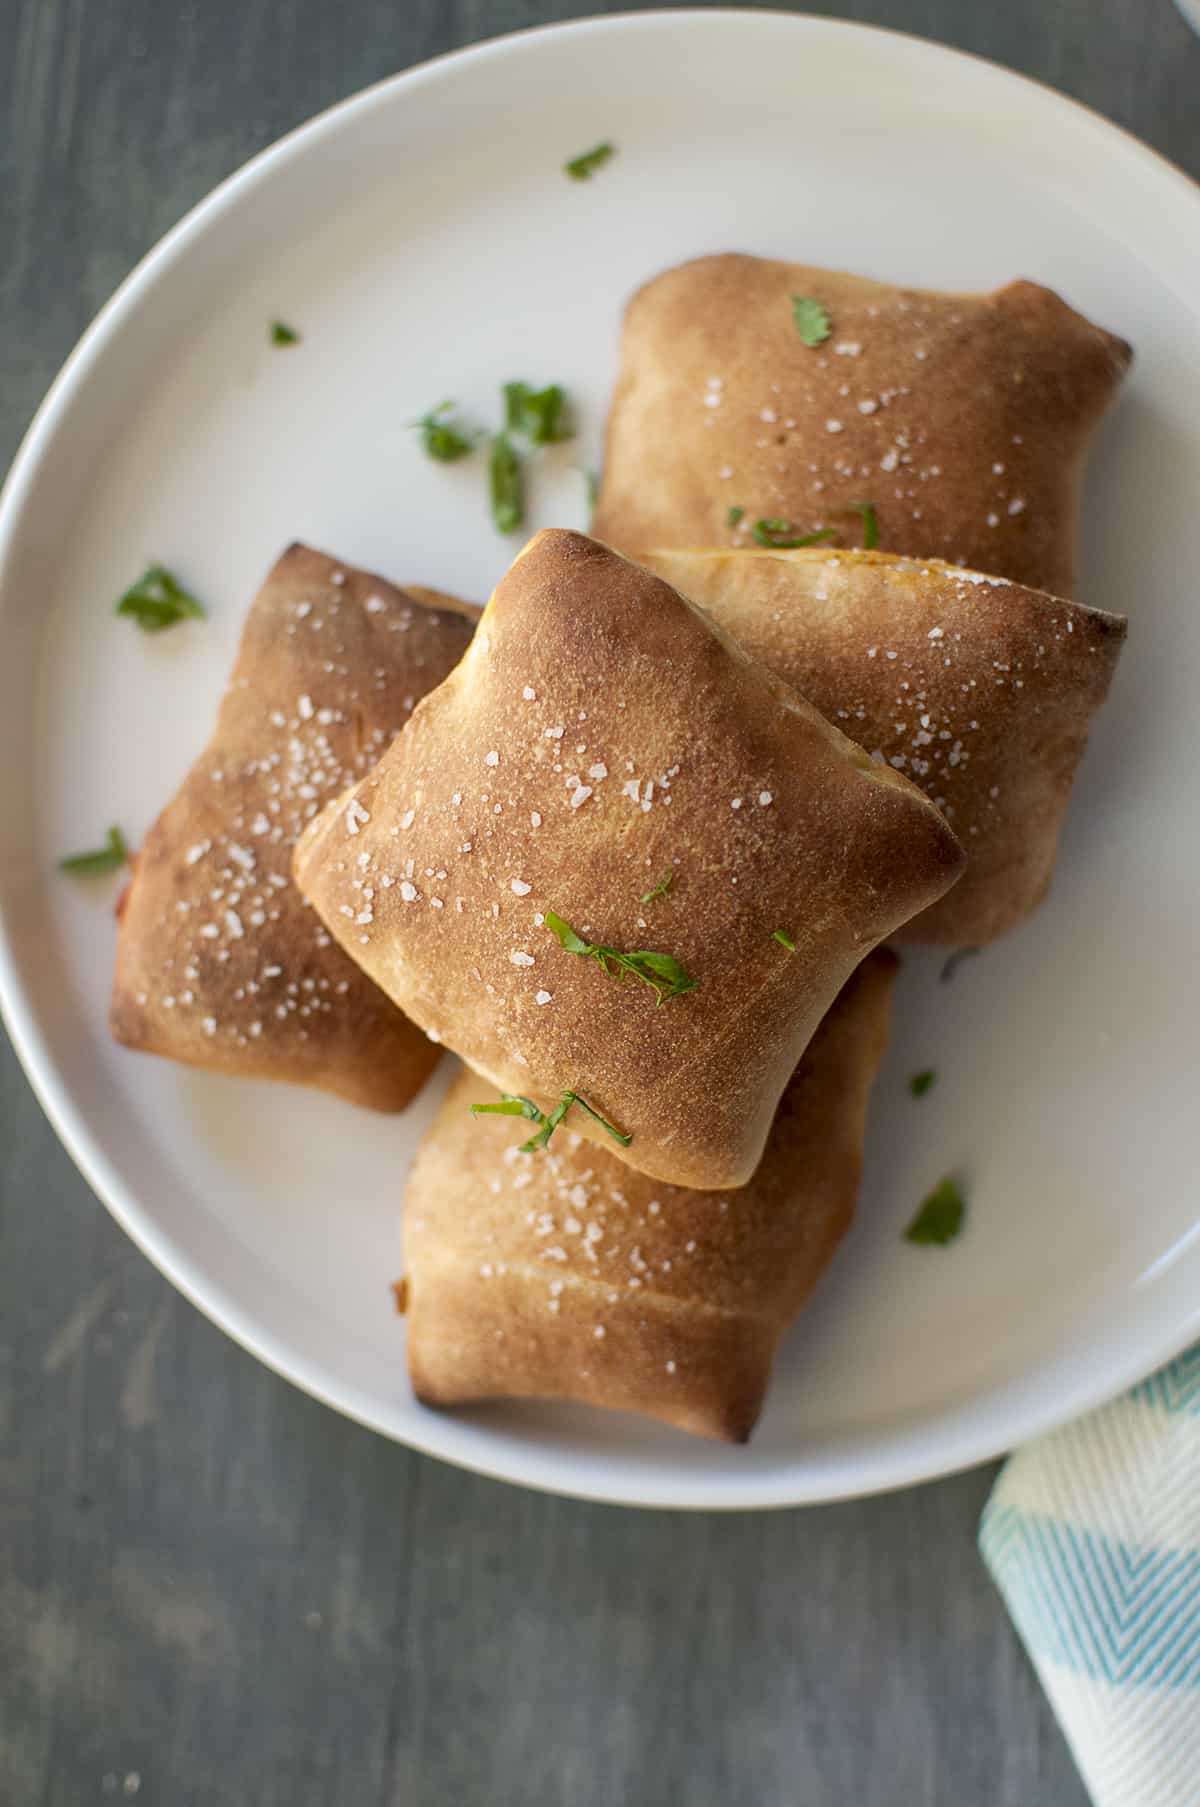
(1093, 1537)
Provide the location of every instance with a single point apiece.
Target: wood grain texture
(213, 1589)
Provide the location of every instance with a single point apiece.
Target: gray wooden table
(213, 1589)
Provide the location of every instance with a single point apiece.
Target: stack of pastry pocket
(635, 854)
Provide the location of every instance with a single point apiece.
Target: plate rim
(885, 1470)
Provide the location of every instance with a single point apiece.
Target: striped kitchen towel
(1093, 1537)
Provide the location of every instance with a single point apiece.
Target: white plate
(424, 240)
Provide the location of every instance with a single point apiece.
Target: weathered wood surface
(213, 1589)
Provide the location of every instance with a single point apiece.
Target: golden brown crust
(964, 419)
(566, 1275)
(599, 732)
(220, 963)
(979, 690)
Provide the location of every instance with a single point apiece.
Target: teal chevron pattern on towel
(1093, 1537)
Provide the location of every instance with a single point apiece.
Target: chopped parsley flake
(512, 1106)
(870, 521)
(779, 535)
(661, 888)
(506, 485)
(283, 334)
(785, 940)
(158, 600)
(662, 972)
(734, 515)
(103, 860)
(940, 1217)
(538, 415)
(920, 1083)
(812, 319)
(442, 438)
(584, 167)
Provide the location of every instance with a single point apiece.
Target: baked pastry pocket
(565, 1275)
(502, 874)
(979, 690)
(220, 962)
(753, 390)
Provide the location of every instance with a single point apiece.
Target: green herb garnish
(510, 1105)
(661, 888)
(157, 600)
(870, 523)
(734, 515)
(441, 438)
(551, 1122)
(570, 1098)
(812, 319)
(921, 1082)
(785, 940)
(506, 485)
(940, 1217)
(282, 334)
(106, 859)
(779, 535)
(662, 972)
(538, 415)
(583, 167)
(955, 961)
